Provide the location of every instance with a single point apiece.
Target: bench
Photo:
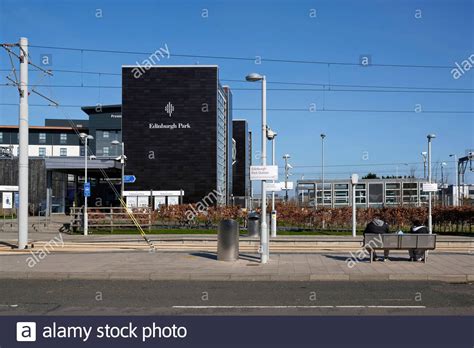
(406, 241)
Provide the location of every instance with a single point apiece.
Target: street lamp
(322, 173)
(271, 135)
(423, 155)
(430, 218)
(254, 77)
(85, 137)
(456, 183)
(122, 159)
(287, 174)
(354, 181)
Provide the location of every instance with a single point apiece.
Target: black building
(243, 160)
(176, 129)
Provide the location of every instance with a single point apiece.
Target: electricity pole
(23, 148)
(322, 174)
(456, 183)
(287, 167)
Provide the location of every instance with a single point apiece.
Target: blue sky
(341, 31)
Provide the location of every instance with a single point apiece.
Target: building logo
(26, 331)
(169, 108)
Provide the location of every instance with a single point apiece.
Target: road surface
(120, 297)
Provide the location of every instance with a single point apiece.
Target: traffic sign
(129, 179)
(273, 186)
(263, 173)
(87, 189)
(430, 187)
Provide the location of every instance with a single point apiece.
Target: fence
(290, 216)
(38, 218)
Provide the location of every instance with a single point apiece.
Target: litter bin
(228, 240)
(253, 224)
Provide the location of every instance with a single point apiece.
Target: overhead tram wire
(274, 60)
(279, 89)
(329, 85)
(294, 109)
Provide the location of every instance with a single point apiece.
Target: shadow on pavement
(213, 256)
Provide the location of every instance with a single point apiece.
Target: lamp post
(122, 159)
(254, 77)
(271, 135)
(423, 156)
(456, 183)
(430, 218)
(354, 181)
(85, 138)
(322, 174)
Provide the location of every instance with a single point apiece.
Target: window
(42, 138)
(63, 138)
(341, 193)
(42, 152)
(106, 151)
(1, 137)
(82, 151)
(392, 193)
(63, 151)
(105, 134)
(376, 193)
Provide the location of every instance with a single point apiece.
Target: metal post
(86, 222)
(354, 212)
(423, 156)
(286, 179)
(442, 185)
(430, 220)
(273, 215)
(122, 161)
(23, 148)
(264, 230)
(322, 176)
(456, 180)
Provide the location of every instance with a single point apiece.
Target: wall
(171, 159)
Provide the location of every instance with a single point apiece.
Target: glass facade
(371, 193)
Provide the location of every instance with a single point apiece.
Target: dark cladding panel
(169, 128)
(241, 167)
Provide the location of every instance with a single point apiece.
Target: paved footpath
(196, 265)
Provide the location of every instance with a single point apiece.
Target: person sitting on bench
(418, 227)
(377, 226)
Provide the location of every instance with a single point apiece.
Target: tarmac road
(129, 297)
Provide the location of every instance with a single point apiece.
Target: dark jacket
(419, 229)
(376, 226)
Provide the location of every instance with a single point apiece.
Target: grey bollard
(253, 225)
(228, 240)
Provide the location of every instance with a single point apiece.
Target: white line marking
(289, 307)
